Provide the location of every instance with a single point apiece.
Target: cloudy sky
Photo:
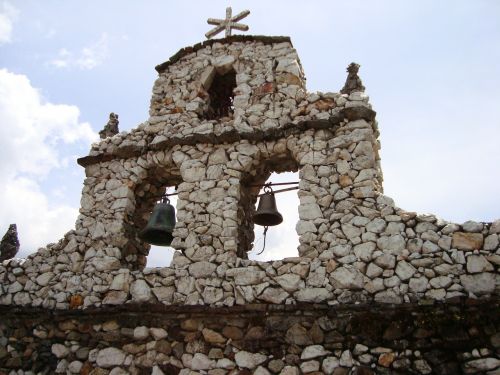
(430, 67)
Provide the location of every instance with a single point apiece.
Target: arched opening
(221, 96)
(281, 241)
(161, 256)
(147, 195)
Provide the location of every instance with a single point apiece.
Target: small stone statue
(111, 128)
(9, 246)
(353, 82)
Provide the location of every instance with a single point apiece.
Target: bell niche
(160, 225)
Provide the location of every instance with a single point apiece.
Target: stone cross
(228, 23)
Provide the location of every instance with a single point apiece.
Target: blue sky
(430, 67)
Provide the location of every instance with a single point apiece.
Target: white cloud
(31, 137)
(87, 58)
(8, 15)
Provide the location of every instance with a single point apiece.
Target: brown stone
(467, 241)
(331, 265)
(190, 324)
(176, 110)
(386, 359)
(276, 365)
(316, 333)
(163, 346)
(67, 325)
(266, 88)
(134, 348)
(86, 368)
(75, 301)
(345, 180)
(297, 334)
(212, 336)
(325, 104)
(233, 333)
(255, 333)
(289, 79)
(215, 353)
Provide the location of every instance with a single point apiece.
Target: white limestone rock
(121, 282)
(75, 367)
(386, 261)
(202, 269)
(491, 242)
(392, 244)
(289, 370)
(405, 270)
(478, 284)
(201, 362)
(106, 263)
(110, 357)
(249, 360)
(365, 250)
(115, 297)
(140, 291)
(346, 359)
(330, 364)
(141, 333)
(158, 333)
(44, 278)
(313, 351)
(373, 270)
(347, 278)
(472, 226)
(388, 296)
(310, 211)
(441, 282)
(483, 364)
(315, 295)
(290, 282)
(59, 350)
(478, 263)
(246, 275)
(418, 285)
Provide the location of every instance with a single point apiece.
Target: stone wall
(356, 245)
(259, 339)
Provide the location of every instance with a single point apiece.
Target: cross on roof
(228, 23)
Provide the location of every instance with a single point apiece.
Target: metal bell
(267, 214)
(161, 224)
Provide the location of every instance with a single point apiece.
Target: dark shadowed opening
(221, 96)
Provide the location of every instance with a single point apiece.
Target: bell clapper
(264, 237)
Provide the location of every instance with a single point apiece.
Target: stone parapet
(261, 339)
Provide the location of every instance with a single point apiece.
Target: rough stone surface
(110, 357)
(214, 144)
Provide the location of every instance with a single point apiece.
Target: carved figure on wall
(9, 246)
(111, 128)
(353, 82)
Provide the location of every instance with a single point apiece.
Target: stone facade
(258, 339)
(356, 246)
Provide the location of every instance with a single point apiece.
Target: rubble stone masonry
(375, 289)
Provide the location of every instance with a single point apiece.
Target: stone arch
(147, 190)
(279, 160)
